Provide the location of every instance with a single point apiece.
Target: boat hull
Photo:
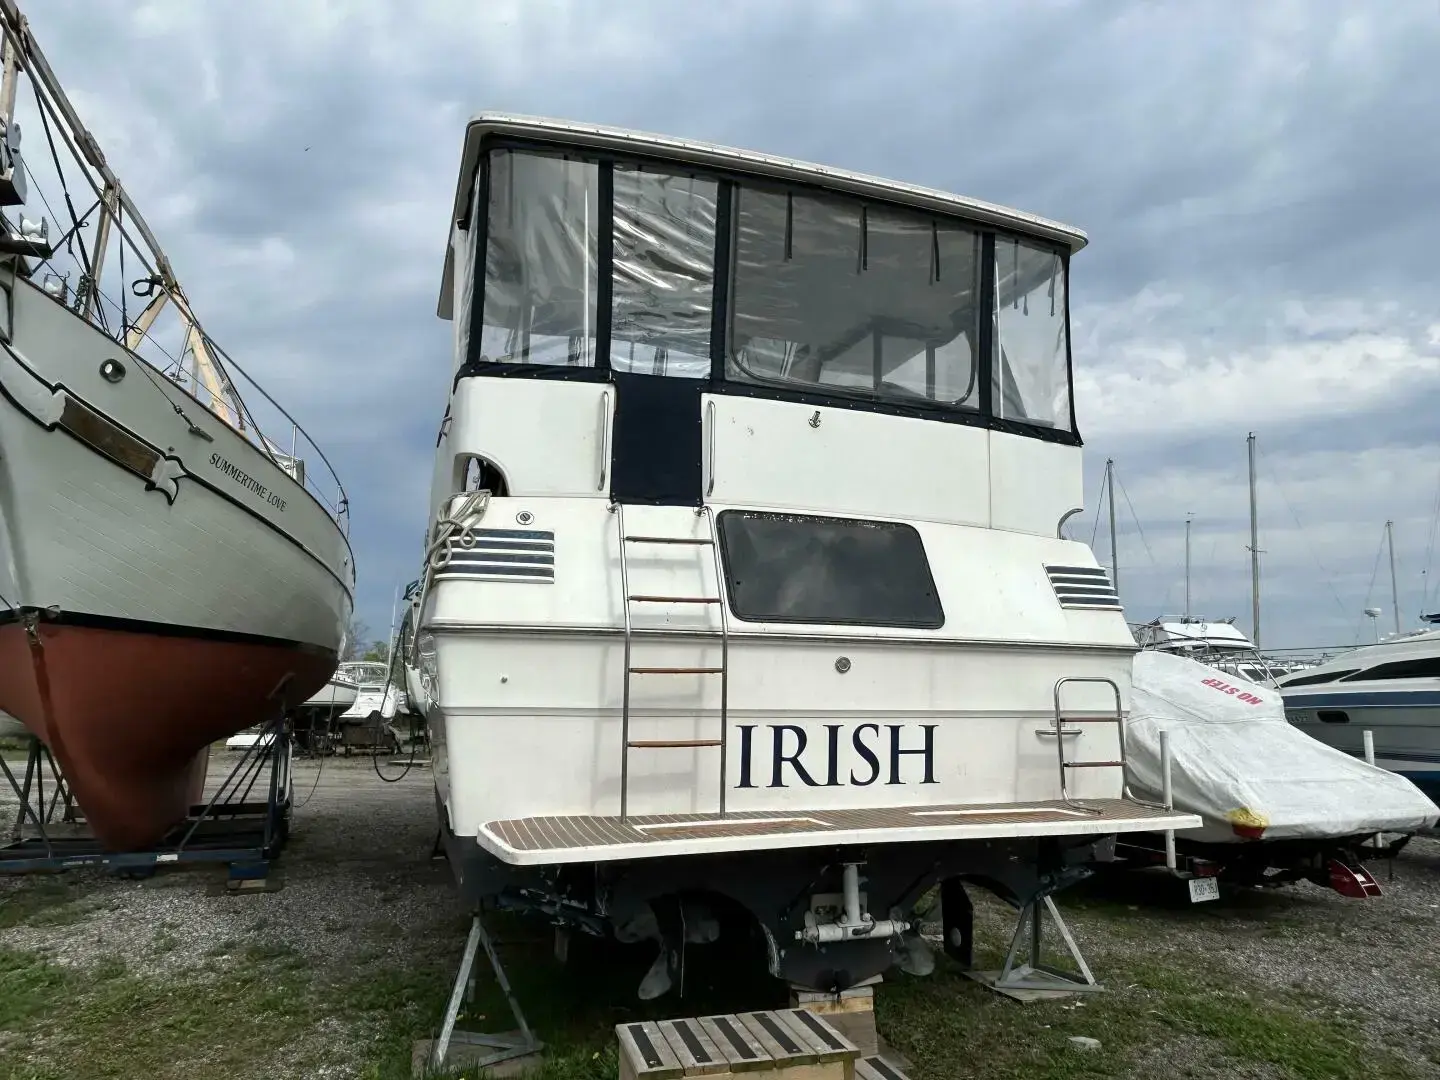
(1405, 725)
(129, 712)
(332, 695)
(165, 582)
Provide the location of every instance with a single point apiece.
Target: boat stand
(1031, 979)
(41, 810)
(239, 825)
(510, 1046)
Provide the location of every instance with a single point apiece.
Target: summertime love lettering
(245, 480)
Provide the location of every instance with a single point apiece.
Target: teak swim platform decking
(554, 840)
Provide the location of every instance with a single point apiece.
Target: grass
(110, 1022)
(253, 1008)
(46, 901)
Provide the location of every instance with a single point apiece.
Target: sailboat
(168, 574)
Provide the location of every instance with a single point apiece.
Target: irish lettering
(865, 754)
(795, 757)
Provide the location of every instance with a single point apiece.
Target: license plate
(1204, 888)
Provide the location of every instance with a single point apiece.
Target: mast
(1394, 588)
(10, 81)
(1188, 519)
(1114, 558)
(83, 144)
(1254, 548)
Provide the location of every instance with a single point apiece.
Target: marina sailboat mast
(1114, 554)
(1394, 584)
(1254, 548)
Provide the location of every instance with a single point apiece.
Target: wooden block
(809, 1029)
(645, 1053)
(875, 1068)
(852, 1014)
(742, 1051)
(694, 1049)
(855, 999)
(794, 1060)
(774, 1035)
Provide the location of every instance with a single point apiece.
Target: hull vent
(1083, 587)
(502, 555)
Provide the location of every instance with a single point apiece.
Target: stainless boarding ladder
(1118, 719)
(631, 670)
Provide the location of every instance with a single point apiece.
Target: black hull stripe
(189, 475)
(159, 629)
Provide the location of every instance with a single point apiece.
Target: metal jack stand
(232, 827)
(507, 1047)
(1033, 979)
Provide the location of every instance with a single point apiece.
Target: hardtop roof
(730, 159)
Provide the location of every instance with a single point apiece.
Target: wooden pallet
(792, 1044)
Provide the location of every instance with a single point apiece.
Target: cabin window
(540, 260)
(786, 568)
(663, 278)
(1420, 667)
(853, 298)
(463, 251)
(1032, 349)
(1316, 680)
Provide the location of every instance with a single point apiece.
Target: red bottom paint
(130, 715)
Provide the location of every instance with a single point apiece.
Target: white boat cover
(1238, 763)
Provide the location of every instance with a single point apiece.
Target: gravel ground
(360, 892)
(1376, 961)
(355, 873)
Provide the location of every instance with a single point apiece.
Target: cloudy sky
(1260, 182)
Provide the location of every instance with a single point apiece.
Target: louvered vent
(502, 555)
(1083, 587)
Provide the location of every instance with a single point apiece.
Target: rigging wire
(1430, 552)
(1329, 577)
(69, 234)
(1136, 518)
(1095, 530)
(65, 188)
(1374, 573)
(125, 240)
(221, 358)
(124, 305)
(102, 298)
(1144, 542)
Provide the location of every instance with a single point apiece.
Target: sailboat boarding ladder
(631, 670)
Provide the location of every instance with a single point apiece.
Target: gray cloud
(1257, 181)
